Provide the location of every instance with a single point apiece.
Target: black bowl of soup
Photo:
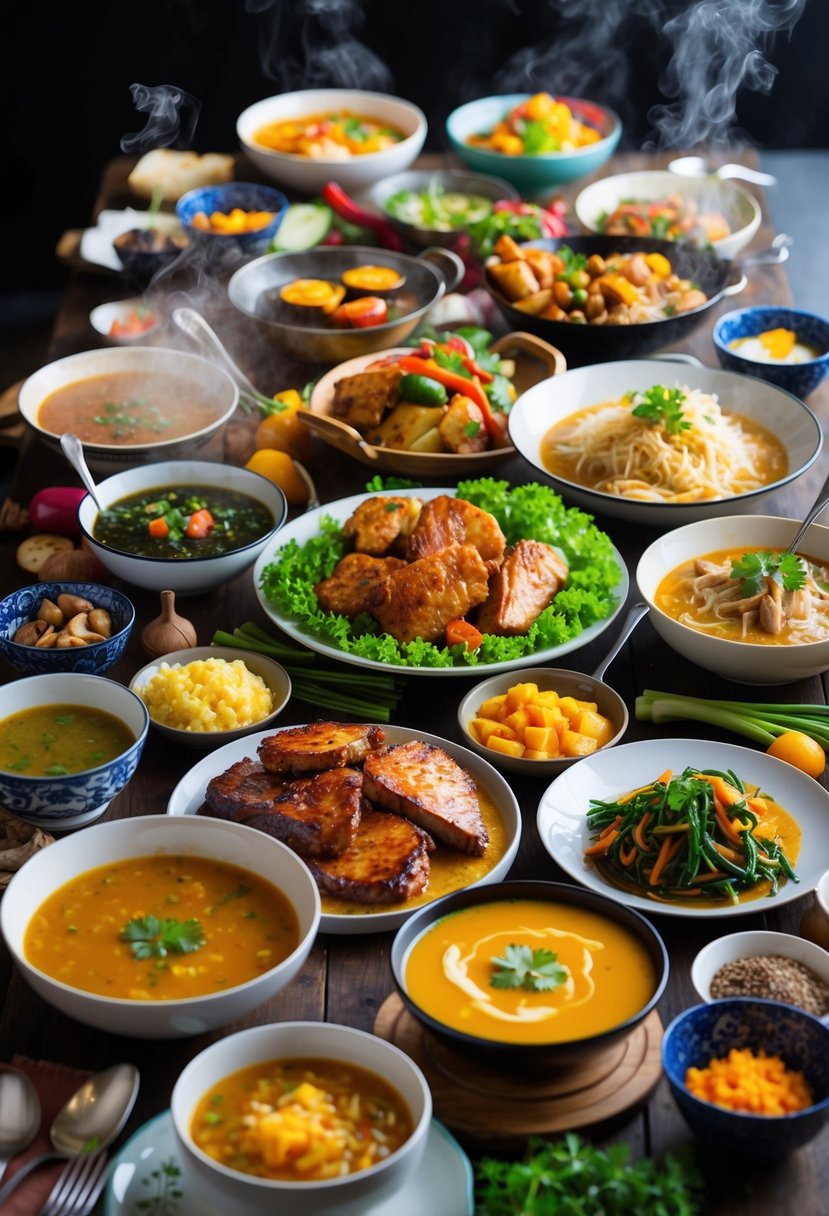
(528, 974)
(129, 405)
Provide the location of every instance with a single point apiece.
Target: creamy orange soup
(607, 975)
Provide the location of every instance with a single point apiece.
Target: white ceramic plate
(146, 1176)
(562, 812)
(96, 243)
(188, 796)
(306, 526)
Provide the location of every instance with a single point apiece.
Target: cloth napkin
(55, 1085)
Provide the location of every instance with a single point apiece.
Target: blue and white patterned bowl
(710, 1031)
(798, 378)
(22, 606)
(76, 799)
(249, 196)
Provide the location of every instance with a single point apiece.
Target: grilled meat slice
(425, 784)
(381, 522)
(531, 575)
(320, 745)
(387, 863)
(420, 600)
(347, 589)
(362, 400)
(447, 521)
(317, 816)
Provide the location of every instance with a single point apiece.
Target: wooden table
(347, 978)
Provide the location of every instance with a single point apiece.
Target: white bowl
(141, 837)
(553, 400)
(744, 662)
(735, 203)
(358, 172)
(185, 576)
(273, 673)
(110, 456)
(102, 318)
(751, 944)
(349, 1195)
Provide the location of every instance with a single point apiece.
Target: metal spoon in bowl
(697, 166)
(19, 1114)
(820, 504)
(89, 1121)
(194, 325)
(72, 449)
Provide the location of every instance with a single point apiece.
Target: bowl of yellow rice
(206, 696)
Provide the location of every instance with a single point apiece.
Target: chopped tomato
(362, 313)
(158, 527)
(200, 524)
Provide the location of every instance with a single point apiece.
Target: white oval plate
(146, 1176)
(306, 526)
(562, 813)
(188, 796)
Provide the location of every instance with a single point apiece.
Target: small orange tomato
(283, 430)
(799, 750)
(279, 468)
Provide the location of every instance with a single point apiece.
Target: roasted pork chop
(531, 575)
(320, 745)
(318, 816)
(346, 591)
(420, 600)
(425, 784)
(447, 521)
(387, 863)
(380, 522)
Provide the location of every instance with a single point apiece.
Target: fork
(78, 1187)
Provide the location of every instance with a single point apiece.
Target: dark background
(66, 103)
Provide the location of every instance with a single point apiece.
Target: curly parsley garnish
(754, 568)
(662, 407)
(150, 937)
(532, 970)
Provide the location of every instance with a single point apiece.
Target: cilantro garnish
(755, 568)
(499, 392)
(661, 406)
(452, 361)
(471, 429)
(532, 970)
(150, 937)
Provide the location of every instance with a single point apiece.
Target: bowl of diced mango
(542, 720)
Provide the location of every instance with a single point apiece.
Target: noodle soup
(664, 445)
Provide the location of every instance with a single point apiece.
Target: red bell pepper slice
(458, 384)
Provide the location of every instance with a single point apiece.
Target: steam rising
(172, 117)
(329, 54)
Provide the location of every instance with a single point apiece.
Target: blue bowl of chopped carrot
(751, 1077)
(234, 219)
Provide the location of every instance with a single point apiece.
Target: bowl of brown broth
(129, 405)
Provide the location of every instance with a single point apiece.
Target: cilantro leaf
(472, 429)
(378, 484)
(524, 967)
(755, 568)
(499, 391)
(662, 407)
(452, 361)
(150, 937)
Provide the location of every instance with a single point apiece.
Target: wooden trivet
(497, 1108)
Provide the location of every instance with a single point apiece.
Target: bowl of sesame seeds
(760, 963)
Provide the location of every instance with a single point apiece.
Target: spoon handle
(632, 619)
(820, 504)
(194, 325)
(747, 175)
(24, 1172)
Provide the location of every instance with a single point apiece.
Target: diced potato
(508, 747)
(536, 303)
(597, 726)
(517, 721)
(541, 725)
(508, 250)
(549, 697)
(492, 706)
(618, 290)
(542, 715)
(520, 694)
(407, 423)
(570, 707)
(488, 729)
(531, 754)
(542, 739)
(543, 266)
(574, 744)
(515, 280)
(462, 428)
(430, 442)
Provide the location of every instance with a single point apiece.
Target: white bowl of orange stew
(161, 928)
(129, 405)
(245, 1154)
(698, 609)
(314, 136)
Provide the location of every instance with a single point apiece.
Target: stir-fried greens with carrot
(700, 834)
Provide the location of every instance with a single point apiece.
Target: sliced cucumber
(304, 225)
(467, 208)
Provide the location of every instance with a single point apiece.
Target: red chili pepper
(458, 384)
(200, 524)
(552, 224)
(347, 209)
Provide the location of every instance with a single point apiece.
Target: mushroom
(78, 628)
(47, 639)
(71, 605)
(28, 633)
(50, 612)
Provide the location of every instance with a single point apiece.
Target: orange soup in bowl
(529, 971)
(161, 928)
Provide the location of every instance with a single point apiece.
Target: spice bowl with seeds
(760, 963)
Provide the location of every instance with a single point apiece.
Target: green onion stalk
(759, 722)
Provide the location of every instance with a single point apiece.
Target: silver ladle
(698, 166)
(89, 1121)
(19, 1114)
(72, 449)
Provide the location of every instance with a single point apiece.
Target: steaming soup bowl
(184, 576)
(197, 373)
(309, 174)
(148, 836)
(743, 662)
(347, 1195)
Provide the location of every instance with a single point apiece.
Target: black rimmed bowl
(526, 1057)
(254, 291)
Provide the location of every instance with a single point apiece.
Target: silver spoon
(19, 1114)
(697, 166)
(73, 451)
(820, 504)
(89, 1121)
(194, 325)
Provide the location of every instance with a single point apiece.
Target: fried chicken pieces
(456, 566)
(365, 835)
